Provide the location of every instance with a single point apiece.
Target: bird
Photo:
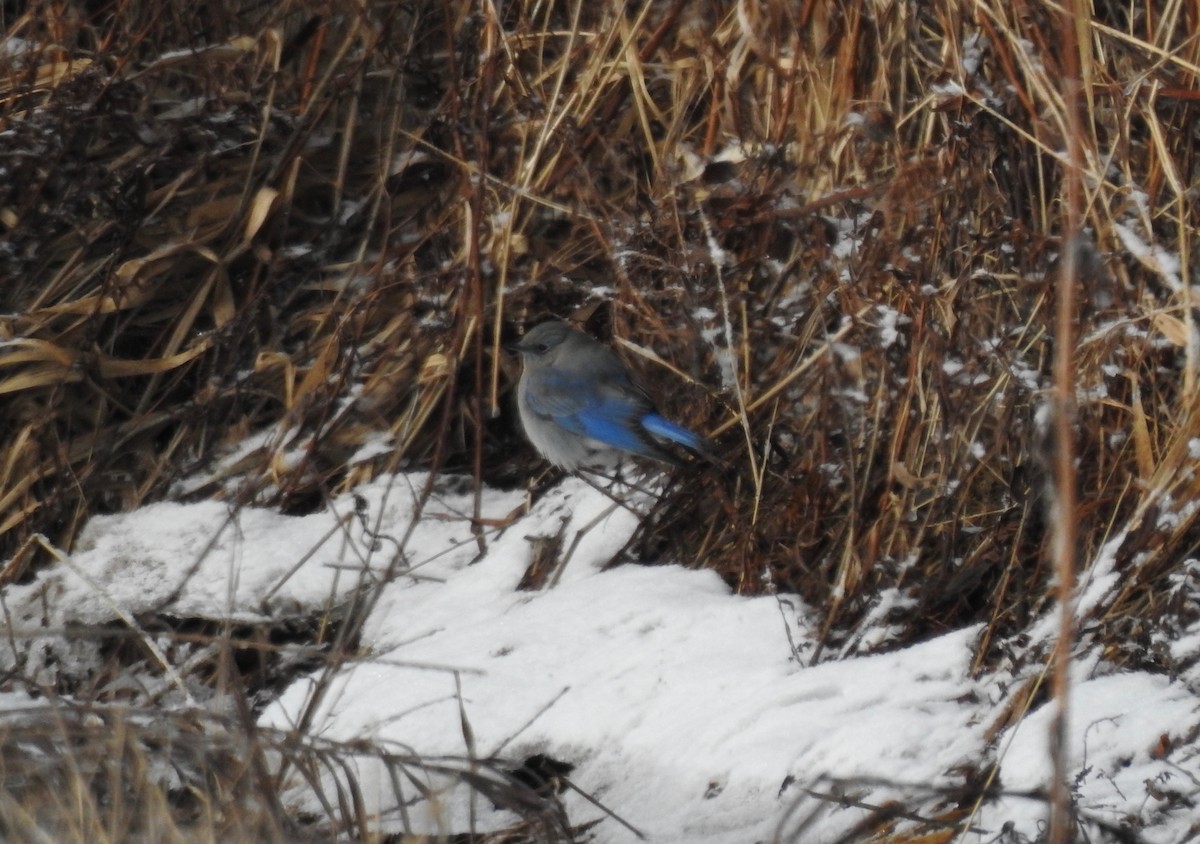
(581, 408)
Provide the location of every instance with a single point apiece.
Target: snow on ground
(693, 714)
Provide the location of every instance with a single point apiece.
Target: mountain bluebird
(580, 407)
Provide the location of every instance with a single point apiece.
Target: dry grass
(124, 775)
(837, 224)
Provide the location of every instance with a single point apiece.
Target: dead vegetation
(122, 775)
(244, 241)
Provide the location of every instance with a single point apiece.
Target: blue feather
(660, 427)
(576, 399)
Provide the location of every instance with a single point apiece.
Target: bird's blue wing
(605, 410)
(597, 399)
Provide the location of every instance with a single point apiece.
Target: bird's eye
(541, 348)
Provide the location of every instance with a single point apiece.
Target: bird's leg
(607, 489)
(613, 481)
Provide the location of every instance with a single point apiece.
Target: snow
(890, 321)
(1165, 263)
(205, 558)
(1115, 736)
(694, 714)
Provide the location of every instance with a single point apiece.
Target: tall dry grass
(829, 233)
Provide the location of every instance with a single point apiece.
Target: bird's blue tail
(660, 427)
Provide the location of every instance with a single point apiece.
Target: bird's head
(544, 342)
